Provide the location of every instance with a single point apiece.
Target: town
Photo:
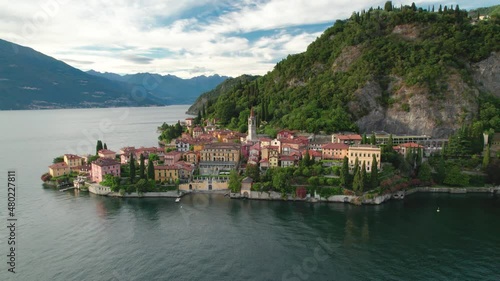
(337, 167)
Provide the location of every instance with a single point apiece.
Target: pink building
(104, 153)
(104, 166)
(172, 157)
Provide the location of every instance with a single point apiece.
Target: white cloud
(199, 36)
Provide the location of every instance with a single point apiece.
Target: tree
(344, 173)
(132, 168)
(105, 146)
(486, 157)
(141, 186)
(306, 161)
(454, 177)
(151, 170)
(356, 164)
(364, 140)
(374, 173)
(142, 167)
(373, 139)
(364, 178)
(441, 170)
(388, 6)
(58, 160)
(153, 157)
(253, 172)
(413, 6)
(281, 181)
(425, 173)
(98, 146)
(234, 183)
(357, 184)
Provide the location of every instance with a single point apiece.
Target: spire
(251, 112)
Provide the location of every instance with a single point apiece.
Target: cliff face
(413, 110)
(486, 74)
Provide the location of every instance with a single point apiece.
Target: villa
(102, 167)
(59, 169)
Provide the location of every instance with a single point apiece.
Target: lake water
(79, 236)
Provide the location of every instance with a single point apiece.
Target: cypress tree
(105, 146)
(141, 167)
(356, 164)
(364, 140)
(132, 168)
(374, 173)
(151, 170)
(344, 173)
(98, 146)
(486, 157)
(373, 139)
(357, 182)
(364, 178)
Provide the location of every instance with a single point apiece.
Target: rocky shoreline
(364, 200)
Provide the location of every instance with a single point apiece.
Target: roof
(287, 158)
(167, 167)
(60, 165)
(349, 137)
(364, 147)
(411, 145)
(106, 151)
(72, 156)
(222, 145)
(105, 162)
(247, 180)
(335, 146)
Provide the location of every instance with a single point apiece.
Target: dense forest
(310, 91)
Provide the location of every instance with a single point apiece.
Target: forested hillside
(400, 69)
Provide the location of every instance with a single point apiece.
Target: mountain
(32, 80)
(170, 88)
(227, 86)
(403, 70)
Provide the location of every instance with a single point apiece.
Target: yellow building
(220, 152)
(59, 169)
(166, 173)
(364, 153)
(73, 160)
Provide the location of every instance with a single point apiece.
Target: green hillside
(392, 50)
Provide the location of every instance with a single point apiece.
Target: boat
(177, 200)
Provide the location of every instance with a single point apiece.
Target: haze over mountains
(32, 80)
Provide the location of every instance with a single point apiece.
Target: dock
(68, 188)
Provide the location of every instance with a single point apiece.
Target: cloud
(184, 38)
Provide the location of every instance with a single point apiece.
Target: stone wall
(204, 185)
(99, 189)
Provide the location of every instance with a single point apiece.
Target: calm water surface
(79, 236)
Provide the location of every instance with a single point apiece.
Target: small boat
(177, 200)
(437, 210)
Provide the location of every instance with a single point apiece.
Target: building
(105, 153)
(313, 154)
(405, 148)
(191, 157)
(287, 161)
(102, 167)
(252, 128)
(246, 187)
(334, 151)
(364, 153)
(126, 153)
(382, 138)
(166, 173)
(171, 157)
(189, 121)
(73, 160)
(59, 169)
(285, 134)
(348, 138)
(219, 158)
(182, 145)
(197, 131)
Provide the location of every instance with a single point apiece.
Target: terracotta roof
(167, 167)
(349, 137)
(72, 156)
(411, 145)
(287, 158)
(59, 165)
(335, 146)
(105, 162)
(106, 151)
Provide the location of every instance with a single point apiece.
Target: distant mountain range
(171, 89)
(32, 80)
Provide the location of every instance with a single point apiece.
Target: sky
(186, 38)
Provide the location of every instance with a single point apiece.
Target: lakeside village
(198, 156)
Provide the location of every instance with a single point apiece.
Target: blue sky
(185, 38)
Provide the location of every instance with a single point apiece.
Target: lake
(79, 236)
